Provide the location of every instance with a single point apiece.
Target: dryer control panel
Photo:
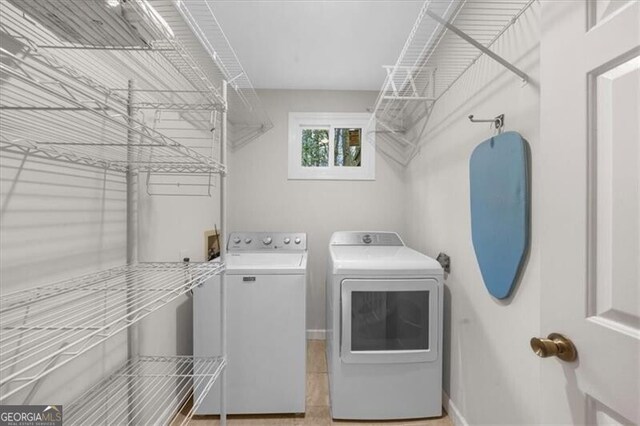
(255, 241)
(357, 238)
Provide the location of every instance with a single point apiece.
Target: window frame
(330, 120)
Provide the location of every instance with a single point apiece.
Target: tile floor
(318, 413)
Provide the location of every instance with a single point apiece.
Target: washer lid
(382, 260)
(266, 263)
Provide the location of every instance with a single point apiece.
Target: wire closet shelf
(160, 386)
(447, 38)
(247, 117)
(68, 120)
(74, 60)
(42, 329)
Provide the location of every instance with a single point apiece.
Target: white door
(590, 185)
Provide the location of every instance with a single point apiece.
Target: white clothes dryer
(384, 328)
(266, 279)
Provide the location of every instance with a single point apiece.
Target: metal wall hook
(498, 121)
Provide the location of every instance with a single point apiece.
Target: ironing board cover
(500, 206)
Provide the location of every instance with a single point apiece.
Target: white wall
(263, 199)
(490, 372)
(172, 227)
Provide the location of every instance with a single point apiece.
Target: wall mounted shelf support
(479, 46)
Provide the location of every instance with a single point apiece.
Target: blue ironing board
(500, 209)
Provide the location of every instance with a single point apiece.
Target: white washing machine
(266, 276)
(384, 328)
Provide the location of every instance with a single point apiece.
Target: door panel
(590, 211)
(598, 11)
(615, 237)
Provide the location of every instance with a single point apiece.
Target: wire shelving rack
(69, 119)
(70, 58)
(44, 328)
(161, 386)
(133, 86)
(78, 72)
(447, 38)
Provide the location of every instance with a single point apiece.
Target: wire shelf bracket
(480, 47)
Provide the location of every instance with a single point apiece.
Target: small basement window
(330, 146)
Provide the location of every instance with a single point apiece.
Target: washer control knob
(287, 240)
(247, 241)
(366, 239)
(267, 241)
(237, 240)
(297, 240)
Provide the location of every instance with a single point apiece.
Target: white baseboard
(454, 414)
(316, 334)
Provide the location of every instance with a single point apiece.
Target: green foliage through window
(315, 147)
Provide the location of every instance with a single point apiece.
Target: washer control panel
(253, 241)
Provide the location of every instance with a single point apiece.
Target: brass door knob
(554, 345)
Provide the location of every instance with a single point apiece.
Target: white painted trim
(316, 334)
(454, 413)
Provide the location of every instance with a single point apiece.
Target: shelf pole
(479, 46)
(132, 243)
(132, 217)
(223, 253)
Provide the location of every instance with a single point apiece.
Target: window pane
(347, 147)
(394, 320)
(315, 147)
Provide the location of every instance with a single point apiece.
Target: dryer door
(389, 320)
